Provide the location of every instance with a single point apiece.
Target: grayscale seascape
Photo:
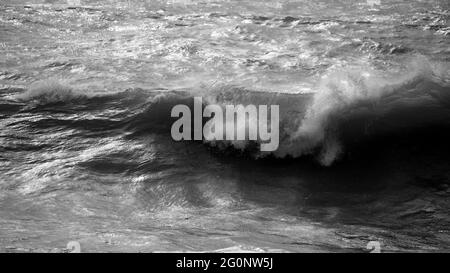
(86, 153)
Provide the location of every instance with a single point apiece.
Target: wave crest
(352, 104)
(367, 97)
(48, 92)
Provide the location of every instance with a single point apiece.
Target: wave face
(357, 103)
(349, 105)
(87, 89)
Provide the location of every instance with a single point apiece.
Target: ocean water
(86, 155)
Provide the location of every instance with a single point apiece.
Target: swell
(357, 104)
(351, 108)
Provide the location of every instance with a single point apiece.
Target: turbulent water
(86, 90)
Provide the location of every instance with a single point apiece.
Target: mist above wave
(354, 93)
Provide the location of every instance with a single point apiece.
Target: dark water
(86, 153)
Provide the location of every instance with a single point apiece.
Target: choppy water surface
(86, 153)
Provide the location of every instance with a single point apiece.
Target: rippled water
(86, 89)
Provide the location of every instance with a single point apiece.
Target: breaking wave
(350, 105)
(368, 103)
(353, 105)
(51, 91)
